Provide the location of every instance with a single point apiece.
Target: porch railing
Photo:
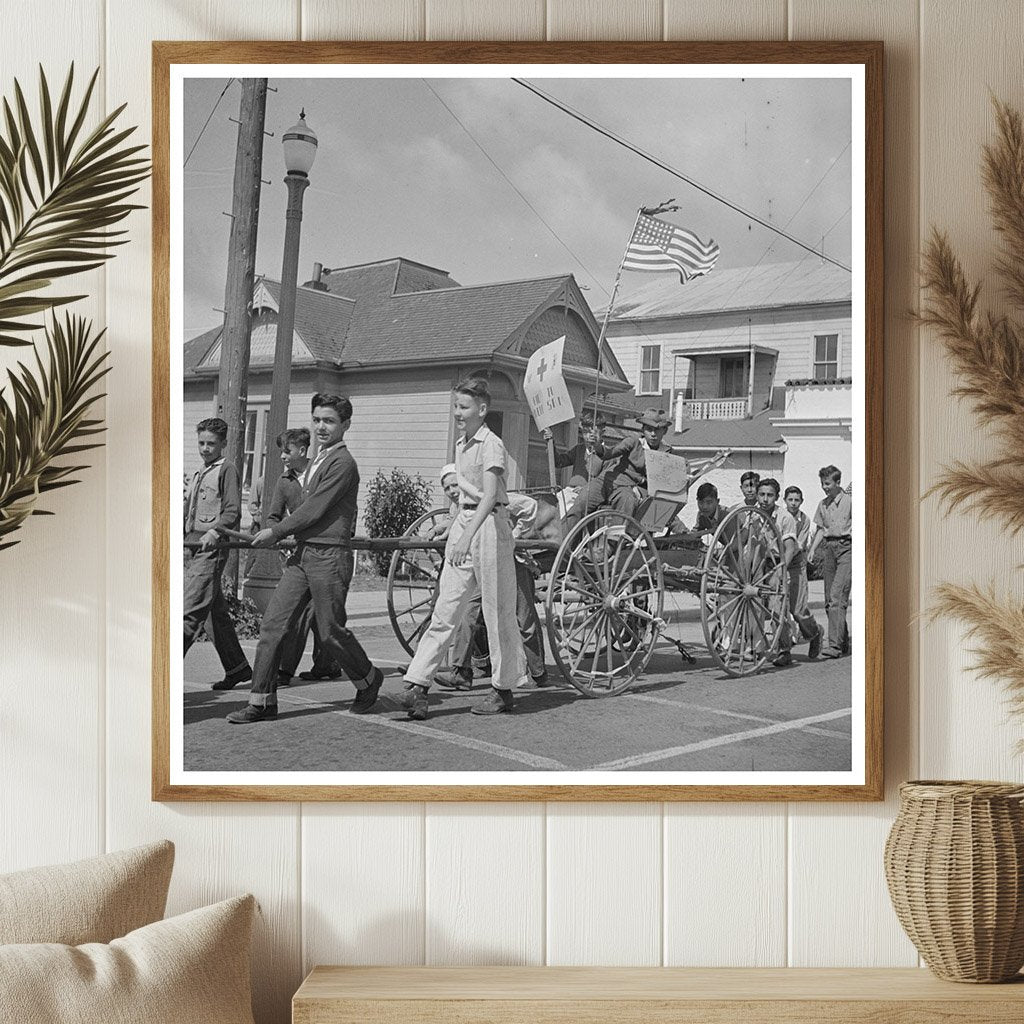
(712, 409)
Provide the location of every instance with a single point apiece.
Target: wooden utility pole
(232, 386)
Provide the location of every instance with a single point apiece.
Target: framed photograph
(526, 406)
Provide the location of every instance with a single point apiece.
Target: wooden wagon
(603, 589)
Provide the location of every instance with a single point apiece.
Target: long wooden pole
(232, 385)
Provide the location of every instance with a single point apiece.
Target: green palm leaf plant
(61, 193)
(63, 190)
(47, 417)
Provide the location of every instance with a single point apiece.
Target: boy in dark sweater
(322, 523)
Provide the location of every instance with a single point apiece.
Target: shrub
(245, 616)
(394, 501)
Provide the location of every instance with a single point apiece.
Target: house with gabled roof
(758, 359)
(394, 336)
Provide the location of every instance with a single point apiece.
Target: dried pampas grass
(995, 627)
(987, 355)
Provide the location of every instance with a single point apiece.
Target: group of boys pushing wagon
(604, 550)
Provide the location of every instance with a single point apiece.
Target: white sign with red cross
(545, 386)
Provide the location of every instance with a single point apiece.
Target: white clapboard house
(758, 359)
(394, 336)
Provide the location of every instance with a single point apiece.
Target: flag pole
(608, 312)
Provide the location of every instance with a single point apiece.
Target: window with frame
(826, 357)
(732, 377)
(254, 449)
(650, 370)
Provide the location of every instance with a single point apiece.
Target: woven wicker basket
(954, 861)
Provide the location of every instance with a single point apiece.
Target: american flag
(657, 245)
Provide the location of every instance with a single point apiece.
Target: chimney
(317, 281)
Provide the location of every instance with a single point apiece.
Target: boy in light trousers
(479, 553)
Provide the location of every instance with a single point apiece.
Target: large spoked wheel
(412, 583)
(604, 603)
(743, 592)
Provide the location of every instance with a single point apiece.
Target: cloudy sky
(445, 171)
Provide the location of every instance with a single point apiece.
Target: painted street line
(466, 742)
(717, 741)
(733, 714)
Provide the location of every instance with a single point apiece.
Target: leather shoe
(495, 703)
(536, 683)
(241, 675)
(815, 647)
(367, 696)
(318, 676)
(283, 679)
(252, 713)
(414, 699)
(782, 659)
(454, 679)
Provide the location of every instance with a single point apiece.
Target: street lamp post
(299, 152)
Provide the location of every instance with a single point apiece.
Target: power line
(609, 134)
(514, 187)
(206, 122)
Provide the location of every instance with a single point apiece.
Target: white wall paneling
(364, 19)
(604, 879)
(827, 861)
(964, 727)
(485, 19)
(510, 883)
(725, 19)
(222, 849)
(604, 19)
(52, 700)
(363, 884)
(485, 883)
(725, 885)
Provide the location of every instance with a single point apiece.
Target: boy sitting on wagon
(622, 483)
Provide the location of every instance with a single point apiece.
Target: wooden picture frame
(863, 61)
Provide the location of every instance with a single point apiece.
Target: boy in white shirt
(767, 498)
(799, 593)
(479, 553)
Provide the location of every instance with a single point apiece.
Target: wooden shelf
(631, 995)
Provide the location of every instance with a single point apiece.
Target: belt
(845, 536)
(470, 508)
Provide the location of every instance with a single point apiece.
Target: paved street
(678, 717)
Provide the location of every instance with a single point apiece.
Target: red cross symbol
(542, 369)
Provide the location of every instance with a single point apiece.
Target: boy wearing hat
(622, 484)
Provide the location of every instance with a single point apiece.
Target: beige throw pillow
(92, 900)
(191, 969)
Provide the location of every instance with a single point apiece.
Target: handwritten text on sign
(667, 475)
(545, 387)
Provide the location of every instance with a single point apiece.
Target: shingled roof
(400, 312)
(468, 323)
(769, 285)
(756, 433)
